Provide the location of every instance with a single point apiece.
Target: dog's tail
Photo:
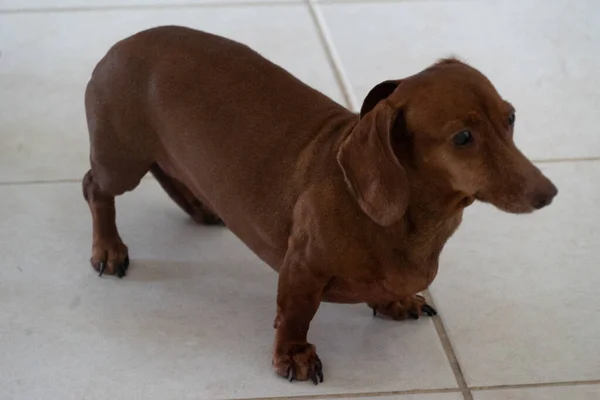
(184, 198)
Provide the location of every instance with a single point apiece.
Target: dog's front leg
(298, 298)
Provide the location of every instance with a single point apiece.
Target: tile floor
(519, 297)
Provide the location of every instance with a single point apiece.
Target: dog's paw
(212, 220)
(298, 362)
(110, 257)
(411, 307)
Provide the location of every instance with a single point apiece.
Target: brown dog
(346, 208)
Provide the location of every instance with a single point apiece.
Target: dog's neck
(431, 202)
(433, 215)
(430, 219)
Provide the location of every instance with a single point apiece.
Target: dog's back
(210, 113)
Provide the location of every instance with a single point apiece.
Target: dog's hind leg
(100, 186)
(109, 253)
(120, 156)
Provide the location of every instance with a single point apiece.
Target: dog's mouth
(467, 201)
(510, 204)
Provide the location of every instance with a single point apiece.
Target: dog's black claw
(413, 315)
(319, 370)
(122, 269)
(374, 311)
(291, 373)
(213, 220)
(101, 268)
(427, 309)
(313, 377)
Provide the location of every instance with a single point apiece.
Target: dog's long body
(235, 129)
(348, 208)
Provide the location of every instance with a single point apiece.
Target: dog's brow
(473, 118)
(509, 107)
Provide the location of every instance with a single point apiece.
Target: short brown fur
(347, 208)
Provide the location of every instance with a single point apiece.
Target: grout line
(354, 395)
(422, 391)
(158, 6)
(564, 160)
(39, 182)
(449, 350)
(536, 385)
(143, 7)
(332, 56)
(368, 2)
(149, 176)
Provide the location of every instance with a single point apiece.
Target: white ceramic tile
(541, 55)
(19, 5)
(192, 320)
(46, 61)
(584, 392)
(519, 294)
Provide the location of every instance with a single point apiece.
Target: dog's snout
(544, 197)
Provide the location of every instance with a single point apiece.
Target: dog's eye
(463, 138)
(511, 119)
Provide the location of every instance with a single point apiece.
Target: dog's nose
(544, 197)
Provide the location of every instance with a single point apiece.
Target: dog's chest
(388, 277)
(345, 290)
(406, 268)
(396, 282)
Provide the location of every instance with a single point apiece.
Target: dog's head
(447, 128)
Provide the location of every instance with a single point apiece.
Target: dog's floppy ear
(378, 93)
(369, 164)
